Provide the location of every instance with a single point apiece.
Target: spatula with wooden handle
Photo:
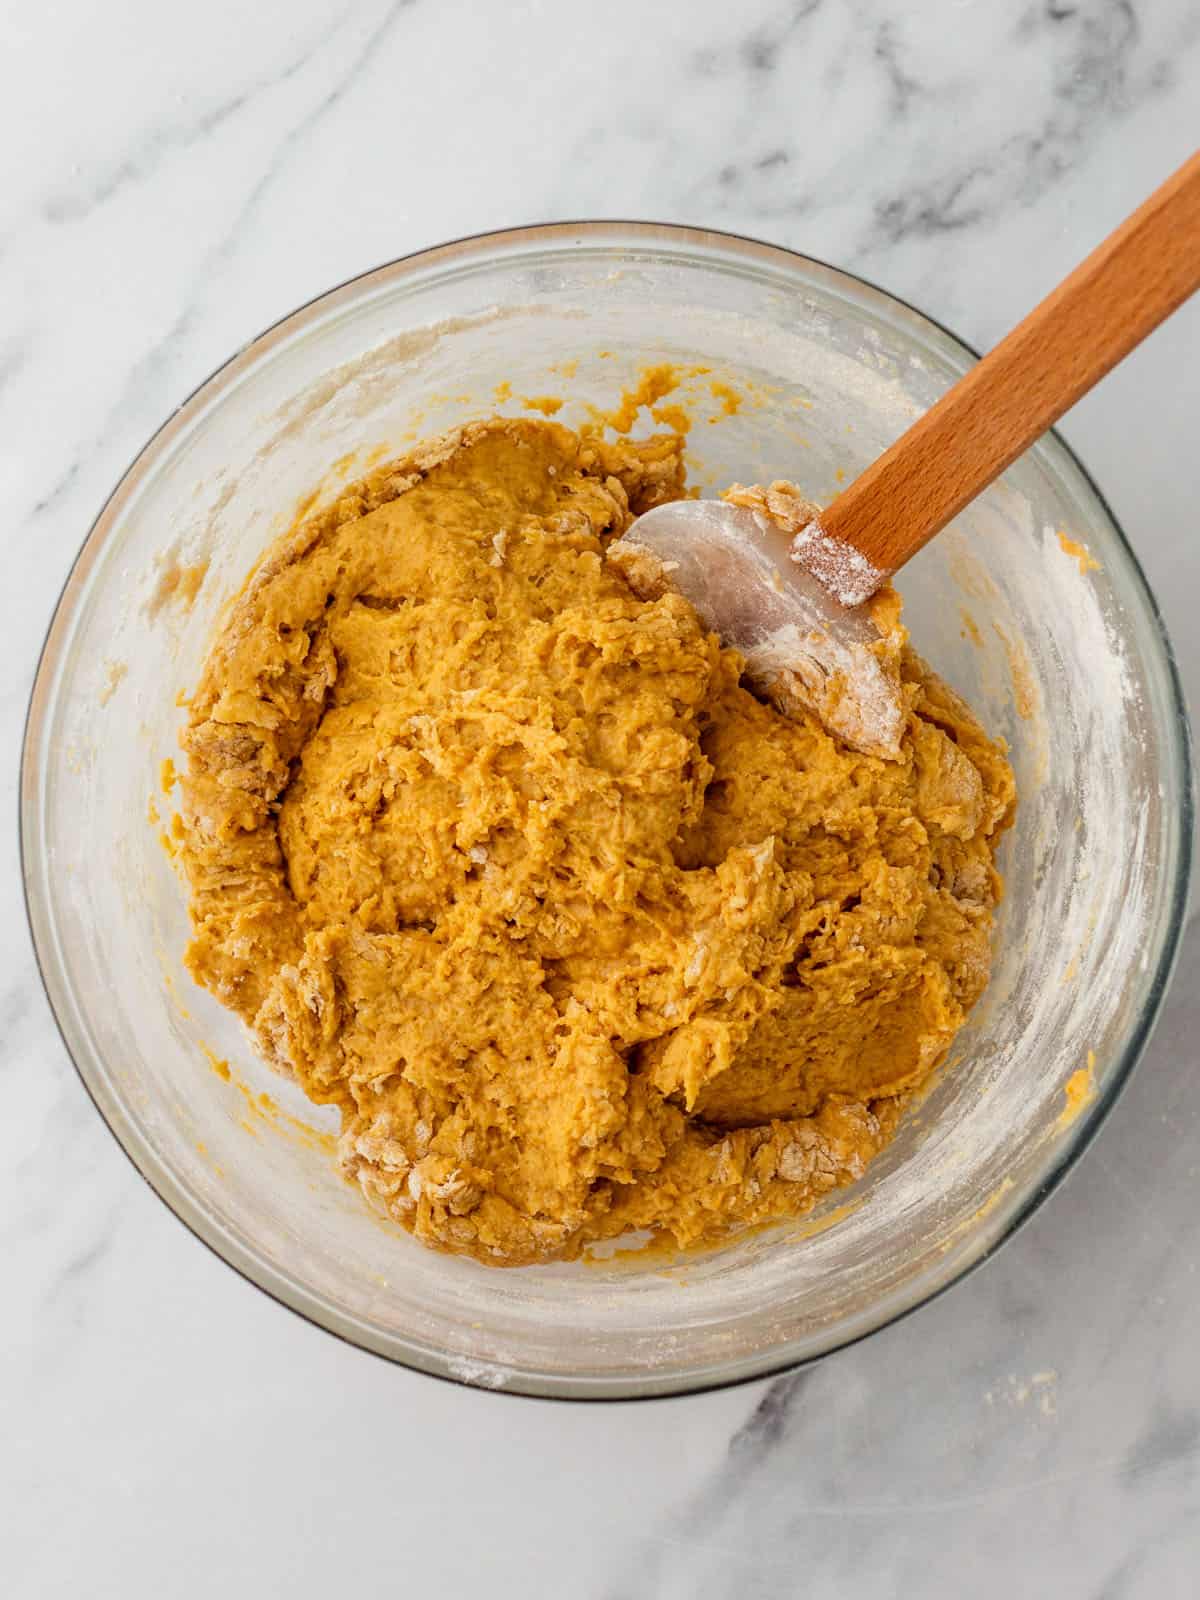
(796, 601)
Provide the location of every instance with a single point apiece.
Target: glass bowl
(1068, 660)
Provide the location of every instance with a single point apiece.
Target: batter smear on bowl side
(578, 934)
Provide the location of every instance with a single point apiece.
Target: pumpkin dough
(578, 935)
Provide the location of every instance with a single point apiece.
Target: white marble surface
(171, 179)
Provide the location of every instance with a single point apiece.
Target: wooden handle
(1124, 289)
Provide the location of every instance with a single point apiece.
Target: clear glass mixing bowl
(1071, 666)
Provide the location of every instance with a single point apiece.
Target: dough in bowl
(579, 935)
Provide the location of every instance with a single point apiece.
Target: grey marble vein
(75, 202)
(1095, 75)
(17, 1001)
(148, 374)
(1084, 67)
(14, 353)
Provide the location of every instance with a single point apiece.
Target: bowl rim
(265, 1276)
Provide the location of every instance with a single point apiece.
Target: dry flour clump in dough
(508, 865)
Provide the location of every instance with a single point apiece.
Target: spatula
(787, 585)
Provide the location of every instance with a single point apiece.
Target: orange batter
(578, 935)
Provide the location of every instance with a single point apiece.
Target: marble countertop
(174, 178)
